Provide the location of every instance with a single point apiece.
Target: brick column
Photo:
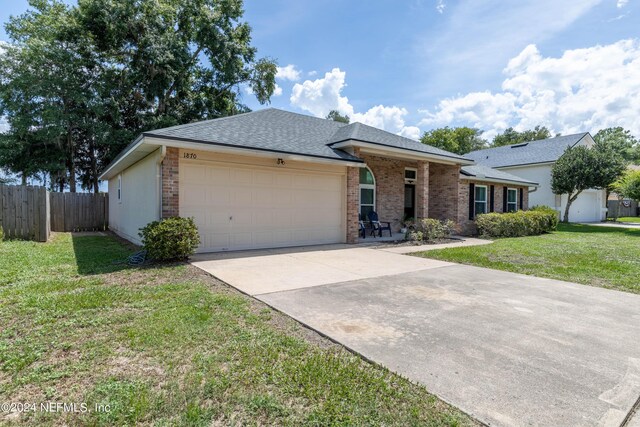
(353, 203)
(170, 182)
(422, 190)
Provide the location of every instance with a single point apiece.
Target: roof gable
(532, 152)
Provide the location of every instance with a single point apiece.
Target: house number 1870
(190, 155)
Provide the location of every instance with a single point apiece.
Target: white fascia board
(112, 167)
(187, 145)
(402, 152)
(526, 165)
(499, 181)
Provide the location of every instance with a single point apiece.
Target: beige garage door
(245, 207)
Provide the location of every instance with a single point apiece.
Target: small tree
(337, 117)
(581, 168)
(511, 136)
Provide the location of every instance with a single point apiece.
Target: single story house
(273, 178)
(534, 161)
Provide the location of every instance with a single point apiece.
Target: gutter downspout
(163, 154)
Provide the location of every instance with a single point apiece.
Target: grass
(172, 346)
(592, 255)
(634, 219)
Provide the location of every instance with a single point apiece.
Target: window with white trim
(512, 200)
(119, 188)
(367, 192)
(410, 175)
(481, 198)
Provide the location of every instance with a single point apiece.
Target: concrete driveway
(506, 348)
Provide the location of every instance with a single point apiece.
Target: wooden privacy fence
(24, 212)
(32, 212)
(631, 208)
(79, 212)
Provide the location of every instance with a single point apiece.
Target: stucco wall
(139, 203)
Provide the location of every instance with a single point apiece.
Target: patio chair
(362, 228)
(377, 225)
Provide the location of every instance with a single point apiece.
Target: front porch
(402, 188)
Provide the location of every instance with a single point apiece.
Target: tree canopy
(511, 136)
(459, 140)
(77, 83)
(337, 117)
(621, 141)
(581, 168)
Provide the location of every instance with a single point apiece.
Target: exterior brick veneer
(170, 183)
(443, 191)
(353, 203)
(422, 190)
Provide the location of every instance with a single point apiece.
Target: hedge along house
(272, 178)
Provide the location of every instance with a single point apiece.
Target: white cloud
(440, 6)
(288, 73)
(312, 73)
(582, 90)
(480, 35)
(621, 3)
(4, 126)
(322, 95)
(277, 91)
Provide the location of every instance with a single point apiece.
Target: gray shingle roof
(542, 151)
(282, 131)
(481, 171)
(269, 130)
(365, 133)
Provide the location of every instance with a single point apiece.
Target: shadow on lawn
(597, 229)
(98, 253)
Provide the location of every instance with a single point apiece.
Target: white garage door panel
(585, 208)
(243, 208)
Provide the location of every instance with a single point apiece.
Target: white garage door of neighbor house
(586, 208)
(237, 207)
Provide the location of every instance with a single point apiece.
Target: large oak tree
(77, 83)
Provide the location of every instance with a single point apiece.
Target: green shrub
(516, 224)
(553, 218)
(430, 229)
(170, 239)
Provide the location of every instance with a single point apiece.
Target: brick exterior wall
(422, 190)
(170, 184)
(353, 203)
(443, 188)
(468, 226)
(389, 178)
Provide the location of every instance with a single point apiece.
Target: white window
(481, 199)
(367, 192)
(512, 200)
(410, 175)
(119, 188)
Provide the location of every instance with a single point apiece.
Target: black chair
(377, 225)
(362, 228)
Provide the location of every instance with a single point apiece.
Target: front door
(409, 201)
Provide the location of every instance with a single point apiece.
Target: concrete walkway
(409, 249)
(508, 349)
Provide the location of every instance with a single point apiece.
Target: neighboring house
(272, 178)
(533, 161)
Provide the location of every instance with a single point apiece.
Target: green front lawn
(635, 219)
(173, 346)
(593, 255)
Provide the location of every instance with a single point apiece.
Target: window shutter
(472, 201)
(521, 193)
(492, 198)
(504, 199)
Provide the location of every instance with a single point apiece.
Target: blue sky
(409, 66)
